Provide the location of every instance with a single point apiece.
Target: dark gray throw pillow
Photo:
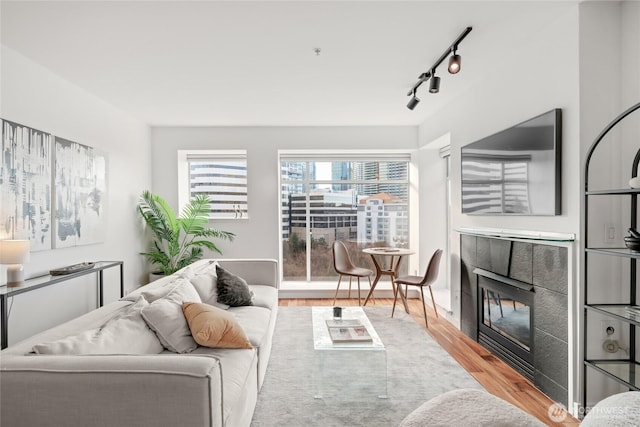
(232, 290)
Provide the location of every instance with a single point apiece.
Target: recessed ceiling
(247, 63)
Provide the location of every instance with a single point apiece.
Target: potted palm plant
(178, 240)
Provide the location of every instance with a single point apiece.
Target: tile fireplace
(514, 302)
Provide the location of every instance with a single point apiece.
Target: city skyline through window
(361, 203)
(220, 175)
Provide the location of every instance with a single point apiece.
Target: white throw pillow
(206, 285)
(161, 287)
(165, 317)
(126, 333)
(197, 267)
(154, 290)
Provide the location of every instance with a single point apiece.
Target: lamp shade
(454, 63)
(14, 251)
(434, 84)
(413, 102)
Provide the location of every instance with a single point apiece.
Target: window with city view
(363, 203)
(221, 175)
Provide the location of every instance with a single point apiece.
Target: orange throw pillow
(215, 328)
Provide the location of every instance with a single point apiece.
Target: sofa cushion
(254, 321)
(264, 296)
(232, 290)
(126, 333)
(154, 290)
(213, 327)
(161, 287)
(166, 319)
(196, 268)
(206, 284)
(207, 288)
(238, 374)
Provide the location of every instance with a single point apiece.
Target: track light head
(413, 101)
(454, 63)
(434, 83)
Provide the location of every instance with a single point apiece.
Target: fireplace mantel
(546, 236)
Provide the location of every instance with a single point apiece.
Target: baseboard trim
(329, 293)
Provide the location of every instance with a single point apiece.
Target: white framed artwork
(80, 189)
(25, 185)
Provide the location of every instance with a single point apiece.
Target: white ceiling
(247, 63)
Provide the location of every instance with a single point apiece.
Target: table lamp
(14, 253)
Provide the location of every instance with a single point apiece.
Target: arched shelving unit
(624, 370)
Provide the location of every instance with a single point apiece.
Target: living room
(83, 71)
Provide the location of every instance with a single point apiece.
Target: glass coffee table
(348, 371)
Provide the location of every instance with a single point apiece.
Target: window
(362, 200)
(221, 175)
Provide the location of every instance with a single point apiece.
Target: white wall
(540, 75)
(259, 236)
(630, 48)
(573, 63)
(433, 213)
(33, 96)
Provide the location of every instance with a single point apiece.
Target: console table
(43, 281)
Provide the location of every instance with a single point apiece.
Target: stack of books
(348, 330)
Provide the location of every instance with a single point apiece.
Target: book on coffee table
(356, 333)
(341, 323)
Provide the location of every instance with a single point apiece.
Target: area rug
(417, 370)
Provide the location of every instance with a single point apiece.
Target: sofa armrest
(254, 271)
(112, 390)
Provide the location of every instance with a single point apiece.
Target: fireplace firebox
(505, 319)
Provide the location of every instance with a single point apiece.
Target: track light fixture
(434, 83)
(413, 101)
(455, 62)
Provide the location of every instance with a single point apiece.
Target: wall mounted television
(515, 171)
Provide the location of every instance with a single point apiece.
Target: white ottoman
(468, 407)
(619, 410)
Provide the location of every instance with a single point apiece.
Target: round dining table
(389, 267)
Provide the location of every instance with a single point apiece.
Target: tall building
(377, 173)
(294, 174)
(225, 182)
(341, 171)
(383, 218)
(332, 215)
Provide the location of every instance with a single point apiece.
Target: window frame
(401, 155)
(184, 176)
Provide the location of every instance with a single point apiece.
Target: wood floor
(495, 375)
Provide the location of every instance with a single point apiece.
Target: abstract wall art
(25, 185)
(80, 194)
(52, 190)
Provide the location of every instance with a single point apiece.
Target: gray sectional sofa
(204, 387)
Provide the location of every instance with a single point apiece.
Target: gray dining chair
(429, 277)
(344, 267)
